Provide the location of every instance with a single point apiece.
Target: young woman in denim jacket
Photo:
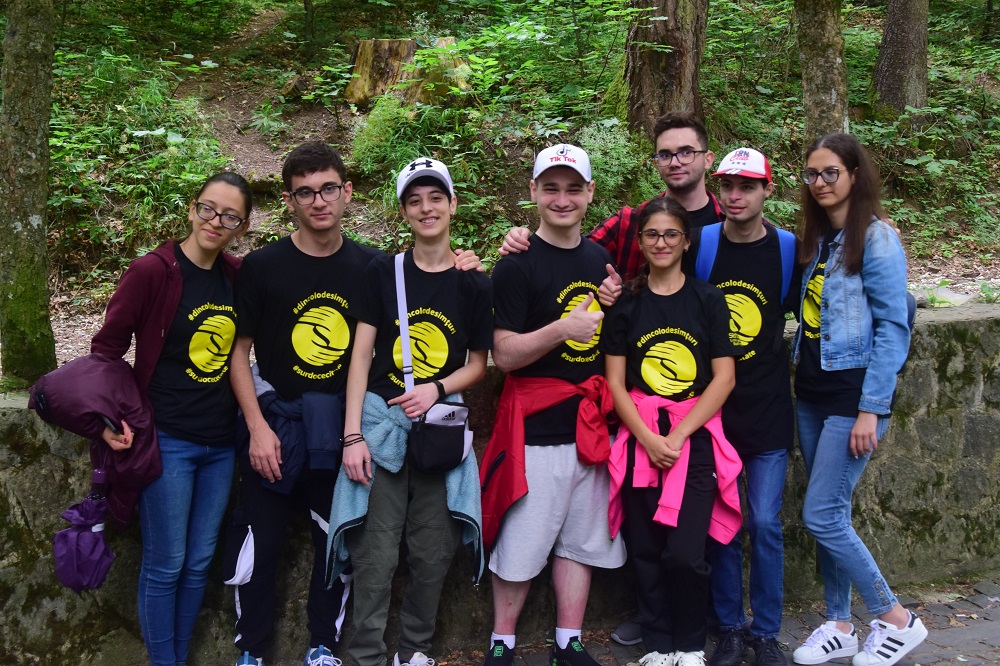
(852, 340)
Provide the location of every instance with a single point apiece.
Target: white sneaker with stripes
(886, 644)
(826, 643)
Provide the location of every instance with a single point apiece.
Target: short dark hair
(649, 209)
(237, 181)
(681, 120)
(311, 157)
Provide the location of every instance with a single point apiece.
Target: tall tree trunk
(900, 78)
(824, 73)
(988, 20)
(663, 58)
(26, 343)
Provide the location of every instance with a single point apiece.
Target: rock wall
(928, 507)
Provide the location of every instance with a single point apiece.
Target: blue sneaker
(320, 656)
(248, 660)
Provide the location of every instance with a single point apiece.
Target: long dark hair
(658, 205)
(864, 202)
(237, 181)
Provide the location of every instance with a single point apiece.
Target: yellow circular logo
(669, 368)
(210, 345)
(321, 336)
(810, 306)
(744, 319)
(593, 307)
(429, 349)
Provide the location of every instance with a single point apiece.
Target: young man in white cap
(752, 263)
(550, 436)
(450, 329)
(682, 159)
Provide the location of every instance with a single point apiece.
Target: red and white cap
(745, 162)
(423, 166)
(564, 154)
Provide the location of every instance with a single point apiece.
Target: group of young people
(646, 376)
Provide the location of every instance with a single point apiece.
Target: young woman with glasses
(852, 340)
(178, 303)
(670, 367)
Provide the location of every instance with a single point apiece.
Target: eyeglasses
(829, 175)
(671, 236)
(305, 196)
(664, 157)
(207, 213)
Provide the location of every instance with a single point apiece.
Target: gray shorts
(565, 511)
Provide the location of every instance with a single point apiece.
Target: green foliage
(126, 156)
(623, 173)
(988, 293)
(267, 118)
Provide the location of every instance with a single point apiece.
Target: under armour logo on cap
(420, 167)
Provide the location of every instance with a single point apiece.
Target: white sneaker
(418, 659)
(658, 659)
(826, 643)
(689, 658)
(886, 644)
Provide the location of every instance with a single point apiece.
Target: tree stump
(380, 64)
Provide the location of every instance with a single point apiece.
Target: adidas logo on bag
(450, 416)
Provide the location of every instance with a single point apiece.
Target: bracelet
(353, 434)
(442, 394)
(351, 442)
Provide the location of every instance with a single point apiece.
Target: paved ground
(963, 624)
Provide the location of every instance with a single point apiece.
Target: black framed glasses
(671, 237)
(305, 196)
(207, 213)
(664, 157)
(829, 175)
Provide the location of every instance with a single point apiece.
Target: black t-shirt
(704, 216)
(758, 414)
(449, 314)
(839, 391)
(669, 341)
(535, 288)
(299, 310)
(189, 390)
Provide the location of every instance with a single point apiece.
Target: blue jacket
(309, 429)
(863, 323)
(386, 430)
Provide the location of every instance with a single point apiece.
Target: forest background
(148, 99)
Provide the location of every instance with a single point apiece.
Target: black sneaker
(499, 655)
(574, 654)
(628, 632)
(768, 652)
(731, 650)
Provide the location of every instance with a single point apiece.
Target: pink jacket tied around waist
(726, 515)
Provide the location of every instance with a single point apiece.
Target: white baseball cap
(745, 162)
(423, 166)
(563, 154)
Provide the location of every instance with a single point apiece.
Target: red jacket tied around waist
(502, 471)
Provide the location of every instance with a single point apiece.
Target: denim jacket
(863, 323)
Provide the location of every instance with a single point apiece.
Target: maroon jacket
(145, 303)
(76, 396)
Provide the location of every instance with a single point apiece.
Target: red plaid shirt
(618, 235)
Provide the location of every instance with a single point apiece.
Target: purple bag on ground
(82, 556)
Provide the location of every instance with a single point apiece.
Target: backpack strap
(786, 240)
(708, 247)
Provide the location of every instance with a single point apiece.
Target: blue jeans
(765, 483)
(833, 473)
(179, 514)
